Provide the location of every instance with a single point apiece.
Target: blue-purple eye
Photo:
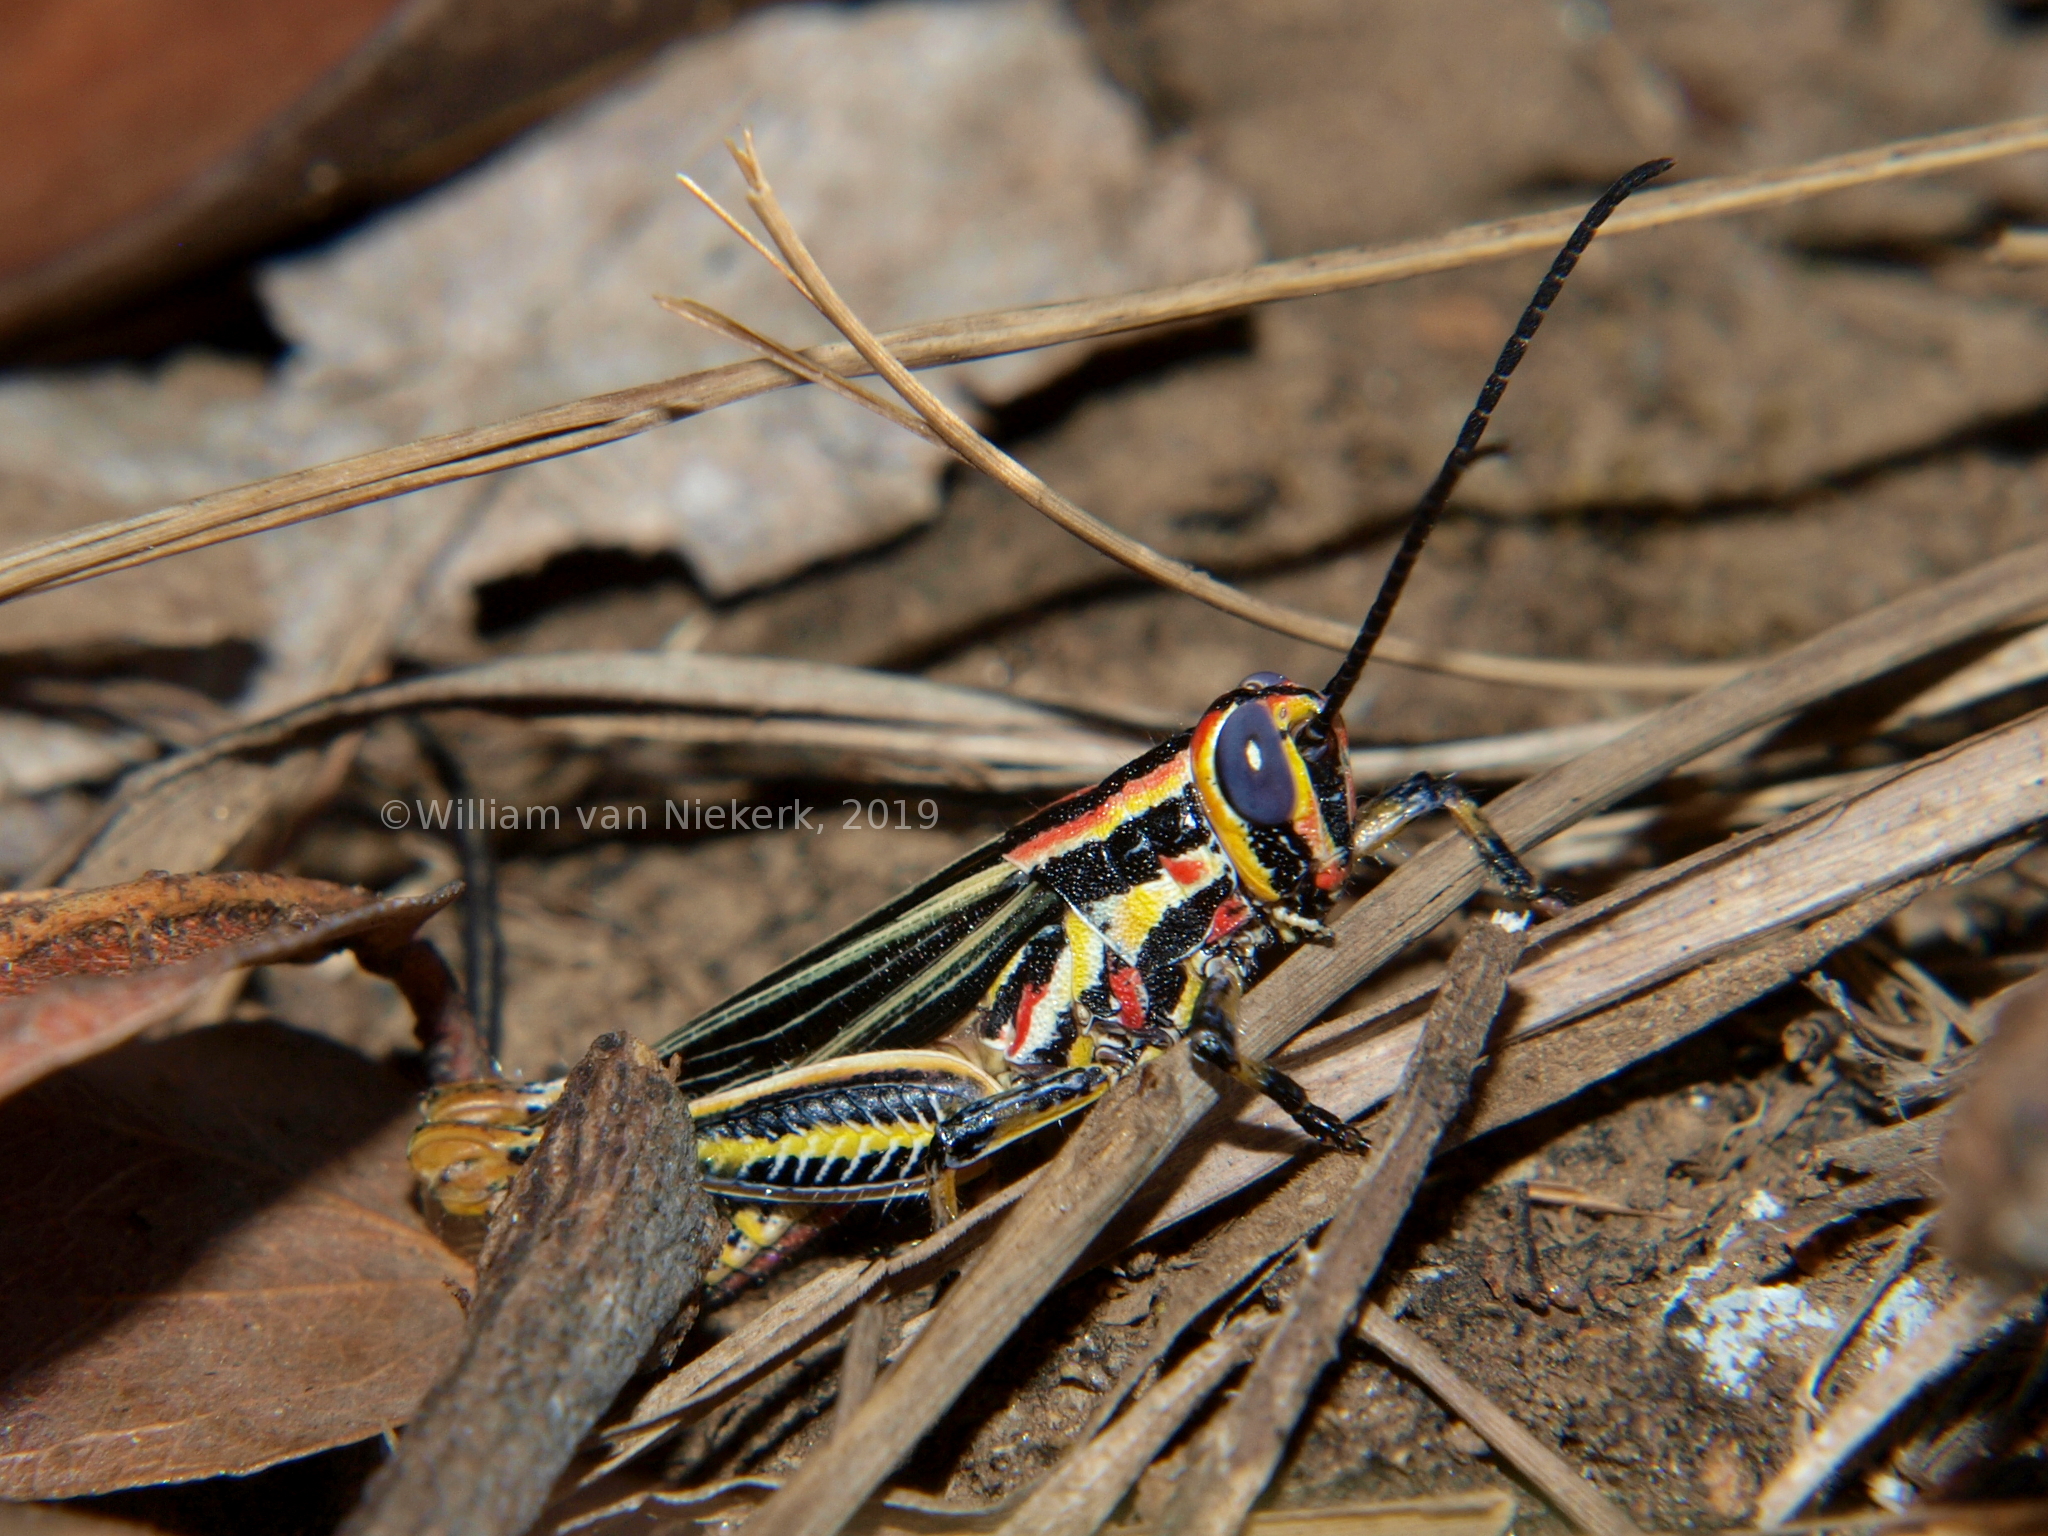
(1264, 680)
(1252, 767)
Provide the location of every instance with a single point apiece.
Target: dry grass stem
(990, 762)
(1080, 1191)
(1557, 1479)
(732, 330)
(732, 689)
(938, 424)
(1236, 1456)
(976, 450)
(902, 1512)
(1905, 1248)
(1608, 958)
(321, 490)
(1079, 1495)
(860, 1360)
(1977, 1314)
(718, 211)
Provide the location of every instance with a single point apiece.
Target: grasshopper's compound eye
(1252, 767)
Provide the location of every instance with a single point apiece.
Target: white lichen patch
(1738, 1332)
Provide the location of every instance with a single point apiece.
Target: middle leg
(1212, 1036)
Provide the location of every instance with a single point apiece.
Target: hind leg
(761, 1240)
(472, 1138)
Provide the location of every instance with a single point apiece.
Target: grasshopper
(1017, 985)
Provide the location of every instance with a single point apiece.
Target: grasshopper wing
(899, 978)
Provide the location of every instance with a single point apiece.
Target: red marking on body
(1096, 823)
(1187, 871)
(1229, 918)
(1128, 988)
(1028, 998)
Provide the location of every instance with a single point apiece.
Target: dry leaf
(212, 1264)
(81, 971)
(159, 920)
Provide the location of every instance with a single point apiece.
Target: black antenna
(1338, 689)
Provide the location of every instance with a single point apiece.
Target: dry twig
(1078, 1496)
(1238, 1453)
(577, 425)
(601, 1243)
(1557, 1479)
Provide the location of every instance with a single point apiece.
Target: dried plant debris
(720, 1506)
(215, 1263)
(82, 971)
(1691, 1258)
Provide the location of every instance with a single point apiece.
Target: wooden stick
(1079, 1495)
(860, 1361)
(576, 425)
(1557, 1479)
(1238, 1453)
(600, 1245)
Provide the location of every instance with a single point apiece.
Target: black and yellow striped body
(858, 1129)
(1101, 929)
(1073, 945)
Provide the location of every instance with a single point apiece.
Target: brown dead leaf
(161, 919)
(213, 1264)
(81, 971)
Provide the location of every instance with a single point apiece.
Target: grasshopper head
(1276, 783)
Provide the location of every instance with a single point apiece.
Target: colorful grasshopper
(1093, 935)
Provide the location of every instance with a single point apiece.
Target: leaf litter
(1571, 1320)
(215, 1261)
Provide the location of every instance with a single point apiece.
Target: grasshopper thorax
(1275, 782)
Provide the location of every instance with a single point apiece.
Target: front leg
(1424, 794)
(1212, 1035)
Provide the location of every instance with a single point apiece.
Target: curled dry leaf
(213, 1263)
(161, 919)
(81, 971)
